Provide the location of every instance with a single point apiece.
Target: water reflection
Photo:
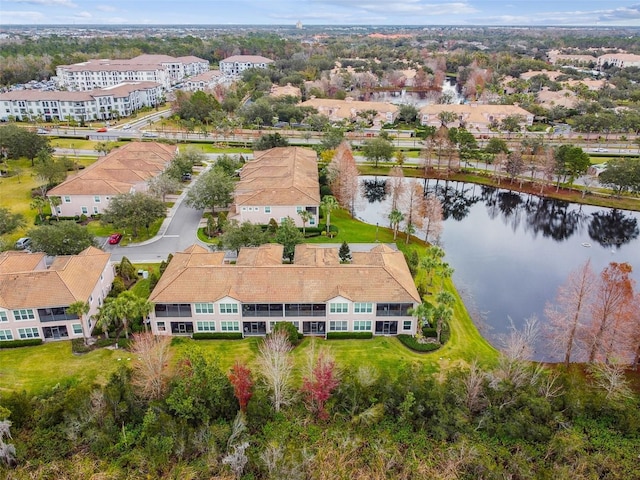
(511, 251)
(374, 190)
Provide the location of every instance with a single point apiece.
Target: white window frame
(6, 335)
(74, 327)
(338, 326)
(228, 309)
(3, 316)
(363, 307)
(362, 325)
(204, 308)
(95, 210)
(267, 209)
(96, 198)
(230, 326)
(66, 199)
(338, 307)
(299, 209)
(28, 332)
(20, 314)
(404, 324)
(162, 327)
(84, 210)
(205, 326)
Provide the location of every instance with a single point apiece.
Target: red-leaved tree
(240, 378)
(317, 387)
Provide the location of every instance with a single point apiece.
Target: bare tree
(473, 385)
(609, 376)
(343, 176)
(151, 368)
(276, 365)
(7, 450)
(567, 316)
(433, 217)
(414, 208)
(395, 188)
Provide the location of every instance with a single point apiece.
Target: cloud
(83, 15)
(13, 18)
(105, 8)
(47, 3)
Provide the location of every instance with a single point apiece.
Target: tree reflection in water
(613, 227)
(374, 190)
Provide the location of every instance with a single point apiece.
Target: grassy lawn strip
(35, 369)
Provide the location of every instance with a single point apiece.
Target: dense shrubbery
(412, 342)
(217, 336)
(349, 335)
(21, 343)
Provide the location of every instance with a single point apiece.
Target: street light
(377, 231)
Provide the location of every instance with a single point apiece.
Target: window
(202, 308)
(23, 314)
(230, 326)
(96, 198)
(299, 209)
(29, 332)
(206, 326)
(173, 310)
(360, 307)
(244, 209)
(393, 309)
(3, 317)
(77, 328)
(6, 335)
(161, 327)
(312, 221)
(406, 325)
(95, 210)
(67, 199)
(262, 310)
(362, 326)
(338, 326)
(267, 209)
(228, 308)
(84, 210)
(338, 308)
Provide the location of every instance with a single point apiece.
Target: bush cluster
(21, 343)
(412, 343)
(349, 335)
(218, 336)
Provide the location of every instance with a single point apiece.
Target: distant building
(286, 91)
(34, 298)
(204, 81)
(103, 104)
(474, 117)
(162, 69)
(317, 293)
(278, 183)
(350, 109)
(237, 64)
(620, 60)
(124, 170)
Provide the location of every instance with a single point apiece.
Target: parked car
(102, 130)
(150, 135)
(23, 243)
(115, 238)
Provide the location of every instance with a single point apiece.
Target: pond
(510, 250)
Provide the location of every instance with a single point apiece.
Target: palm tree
(423, 313)
(128, 306)
(305, 216)
(80, 309)
(38, 203)
(329, 203)
(107, 316)
(395, 217)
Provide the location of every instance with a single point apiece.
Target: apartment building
(198, 292)
(102, 73)
(103, 104)
(34, 296)
(237, 64)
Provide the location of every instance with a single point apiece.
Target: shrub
(217, 336)
(430, 332)
(349, 335)
(104, 342)
(21, 343)
(291, 331)
(412, 343)
(78, 346)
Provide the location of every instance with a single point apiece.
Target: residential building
(34, 297)
(102, 73)
(349, 109)
(237, 64)
(204, 81)
(58, 106)
(278, 183)
(198, 292)
(473, 116)
(287, 90)
(620, 60)
(124, 170)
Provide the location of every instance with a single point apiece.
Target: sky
(322, 12)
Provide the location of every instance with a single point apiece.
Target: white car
(149, 135)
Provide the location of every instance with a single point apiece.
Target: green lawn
(37, 368)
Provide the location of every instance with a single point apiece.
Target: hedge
(412, 343)
(218, 336)
(430, 332)
(21, 343)
(349, 335)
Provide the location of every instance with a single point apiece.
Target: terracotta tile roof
(119, 171)
(14, 262)
(247, 59)
(310, 254)
(279, 176)
(348, 108)
(388, 280)
(268, 254)
(205, 77)
(121, 90)
(68, 279)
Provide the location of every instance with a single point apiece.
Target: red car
(115, 238)
(101, 130)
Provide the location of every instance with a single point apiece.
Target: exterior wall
(347, 321)
(74, 206)
(36, 328)
(260, 215)
(92, 79)
(236, 68)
